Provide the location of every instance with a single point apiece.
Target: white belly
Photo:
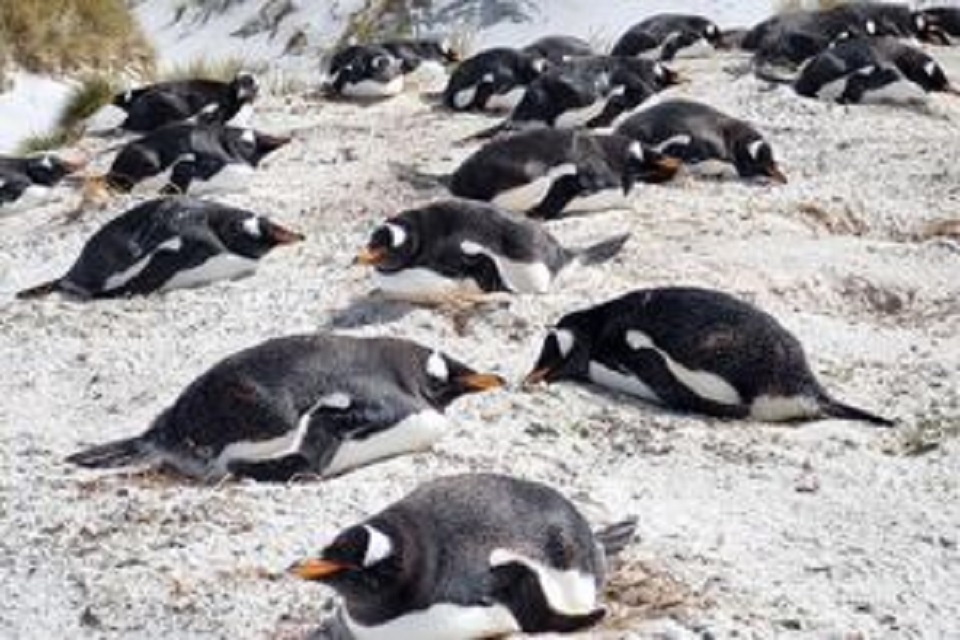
(33, 196)
(783, 408)
(699, 49)
(567, 592)
(624, 383)
(519, 277)
(412, 284)
(901, 92)
(506, 101)
(601, 201)
(118, 280)
(414, 433)
(575, 118)
(373, 88)
(243, 118)
(528, 196)
(442, 621)
(223, 266)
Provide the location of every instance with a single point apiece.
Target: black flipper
(119, 453)
(418, 179)
(602, 251)
(835, 409)
(518, 588)
(40, 290)
(562, 191)
(615, 538)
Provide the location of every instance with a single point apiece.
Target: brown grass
(64, 36)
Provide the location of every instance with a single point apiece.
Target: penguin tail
(421, 180)
(835, 409)
(768, 71)
(617, 537)
(119, 453)
(39, 291)
(602, 251)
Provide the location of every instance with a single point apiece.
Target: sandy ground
(828, 530)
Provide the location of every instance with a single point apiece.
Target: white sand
(827, 530)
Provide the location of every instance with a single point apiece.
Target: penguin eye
(437, 367)
(565, 341)
(379, 546)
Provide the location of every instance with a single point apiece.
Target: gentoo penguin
(693, 350)
(492, 80)
(668, 35)
(944, 21)
(154, 106)
(311, 404)
(468, 557)
(413, 53)
(168, 243)
(869, 70)
(212, 157)
(366, 71)
(559, 49)
(461, 247)
(698, 134)
(547, 172)
(28, 182)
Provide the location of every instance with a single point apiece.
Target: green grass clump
(56, 139)
(93, 92)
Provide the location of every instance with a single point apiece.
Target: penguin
(698, 134)
(309, 404)
(166, 244)
(668, 35)
(695, 350)
(414, 53)
(366, 71)
(149, 108)
(215, 158)
(492, 80)
(868, 70)
(942, 22)
(458, 247)
(545, 173)
(468, 557)
(559, 49)
(29, 182)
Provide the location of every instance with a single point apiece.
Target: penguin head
(252, 146)
(362, 563)
(932, 77)
(392, 247)
(384, 67)
(48, 169)
(712, 34)
(245, 87)
(565, 353)
(753, 157)
(442, 379)
(665, 76)
(253, 236)
(648, 165)
(446, 50)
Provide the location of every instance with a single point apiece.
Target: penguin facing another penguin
(165, 244)
(469, 557)
(314, 404)
(699, 134)
(459, 247)
(693, 350)
(547, 172)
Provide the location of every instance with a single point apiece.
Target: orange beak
(282, 235)
(536, 377)
(777, 175)
(316, 569)
(370, 257)
(481, 381)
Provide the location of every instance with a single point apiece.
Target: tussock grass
(55, 139)
(93, 92)
(223, 69)
(71, 35)
(787, 6)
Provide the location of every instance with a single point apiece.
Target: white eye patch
(46, 162)
(920, 21)
(930, 68)
(658, 70)
(565, 341)
(379, 547)
(252, 227)
(871, 27)
(437, 367)
(249, 136)
(754, 148)
(712, 30)
(636, 151)
(397, 235)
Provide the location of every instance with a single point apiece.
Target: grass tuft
(93, 92)
(223, 69)
(37, 143)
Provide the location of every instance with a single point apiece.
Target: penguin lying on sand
(28, 182)
(461, 247)
(413, 53)
(154, 106)
(669, 35)
(165, 244)
(692, 350)
(867, 70)
(559, 49)
(468, 557)
(697, 133)
(316, 404)
(944, 22)
(548, 172)
(366, 71)
(492, 80)
(210, 158)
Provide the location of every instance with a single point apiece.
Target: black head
(565, 354)
(47, 169)
(393, 246)
(245, 87)
(753, 157)
(664, 76)
(712, 34)
(647, 165)
(932, 77)
(441, 379)
(253, 236)
(364, 564)
(252, 146)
